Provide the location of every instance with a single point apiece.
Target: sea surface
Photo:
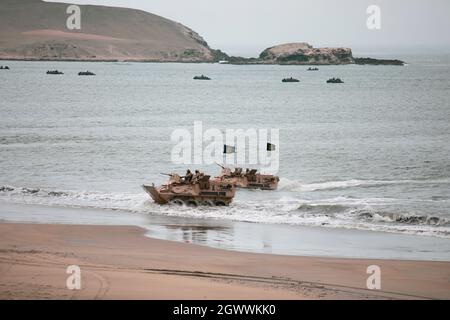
(370, 154)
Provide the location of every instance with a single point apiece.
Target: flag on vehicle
(270, 147)
(228, 149)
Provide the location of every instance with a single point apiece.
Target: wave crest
(411, 219)
(322, 208)
(339, 212)
(296, 185)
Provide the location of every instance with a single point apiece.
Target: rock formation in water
(377, 62)
(304, 54)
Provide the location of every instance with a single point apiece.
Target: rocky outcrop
(378, 62)
(298, 54)
(303, 53)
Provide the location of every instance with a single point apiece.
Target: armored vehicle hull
(335, 80)
(201, 192)
(249, 180)
(290, 80)
(202, 77)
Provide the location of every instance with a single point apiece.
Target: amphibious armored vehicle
(198, 191)
(290, 80)
(54, 72)
(335, 80)
(86, 73)
(202, 77)
(249, 179)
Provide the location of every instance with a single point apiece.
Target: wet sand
(278, 239)
(119, 262)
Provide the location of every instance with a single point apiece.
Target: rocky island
(304, 54)
(121, 34)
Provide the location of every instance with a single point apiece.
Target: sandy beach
(311, 165)
(119, 262)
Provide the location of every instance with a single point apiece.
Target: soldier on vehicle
(188, 177)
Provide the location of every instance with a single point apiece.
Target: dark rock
(377, 62)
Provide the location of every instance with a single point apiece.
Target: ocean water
(370, 154)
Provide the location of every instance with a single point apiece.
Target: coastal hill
(34, 29)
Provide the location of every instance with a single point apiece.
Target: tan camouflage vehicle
(198, 191)
(249, 179)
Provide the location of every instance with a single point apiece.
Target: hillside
(33, 29)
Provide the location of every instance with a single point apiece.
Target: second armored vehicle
(249, 179)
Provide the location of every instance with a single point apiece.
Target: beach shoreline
(279, 239)
(119, 262)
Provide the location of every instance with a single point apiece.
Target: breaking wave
(295, 185)
(322, 208)
(404, 218)
(42, 196)
(339, 212)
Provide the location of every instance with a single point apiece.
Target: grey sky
(249, 26)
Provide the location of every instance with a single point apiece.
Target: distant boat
(4, 68)
(202, 77)
(335, 80)
(313, 69)
(54, 72)
(86, 73)
(290, 80)
(223, 62)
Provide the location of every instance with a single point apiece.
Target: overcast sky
(249, 26)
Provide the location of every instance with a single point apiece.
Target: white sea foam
(295, 185)
(338, 212)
